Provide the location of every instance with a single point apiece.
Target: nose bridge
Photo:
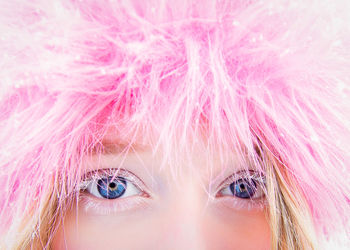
(184, 218)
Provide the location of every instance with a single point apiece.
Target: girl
(174, 124)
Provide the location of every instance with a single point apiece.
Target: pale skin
(167, 209)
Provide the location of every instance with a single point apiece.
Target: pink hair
(273, 73)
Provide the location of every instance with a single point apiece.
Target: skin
(173, 212)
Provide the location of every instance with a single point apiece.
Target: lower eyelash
(242, 204)
(96, 206)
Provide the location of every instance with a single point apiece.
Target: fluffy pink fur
(237, 73)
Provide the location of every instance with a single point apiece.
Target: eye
(108, 185)
(244, 186)
(111, 191)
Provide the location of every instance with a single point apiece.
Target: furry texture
(234, 74)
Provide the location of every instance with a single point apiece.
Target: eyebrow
(109, 147)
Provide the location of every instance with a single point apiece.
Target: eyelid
(249, 174)
(95, 175)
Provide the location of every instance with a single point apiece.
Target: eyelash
(230, 199)
(94, 202)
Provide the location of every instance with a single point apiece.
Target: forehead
(173, 153)
(199, 160)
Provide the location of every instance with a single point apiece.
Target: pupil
(112, 185)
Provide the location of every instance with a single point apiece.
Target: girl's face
(129, 202)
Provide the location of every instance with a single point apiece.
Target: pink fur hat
(272, 73)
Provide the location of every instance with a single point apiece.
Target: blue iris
(243, 188)
(111, 188)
